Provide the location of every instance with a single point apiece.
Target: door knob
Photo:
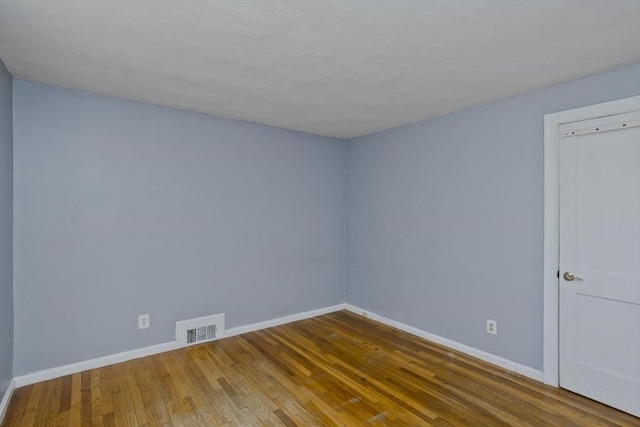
(569, 277)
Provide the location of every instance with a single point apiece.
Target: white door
(599, 178)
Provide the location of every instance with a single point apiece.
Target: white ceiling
(339, 68)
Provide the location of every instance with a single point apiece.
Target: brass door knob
(569, 277)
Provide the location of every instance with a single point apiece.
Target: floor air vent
(199, 330)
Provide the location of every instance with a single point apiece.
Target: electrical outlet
(143, 321)
(492, 327)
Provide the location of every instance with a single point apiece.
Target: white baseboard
(4, 405)
(73, 368)
(99, 362)
(283, 320)
(471, 351)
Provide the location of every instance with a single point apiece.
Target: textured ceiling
(339, 68)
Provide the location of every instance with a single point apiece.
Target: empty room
(319, 213)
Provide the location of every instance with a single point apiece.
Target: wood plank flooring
(336, 369)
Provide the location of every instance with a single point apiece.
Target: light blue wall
(125, 208)
(445, 217)
(6, 229)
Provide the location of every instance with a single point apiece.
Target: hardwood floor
(336, 369)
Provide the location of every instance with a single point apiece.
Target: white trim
(552, 135)
(72, 368)
(4, 405)
(471, 351)
(238, 330)
(99, 362)
(601, 128)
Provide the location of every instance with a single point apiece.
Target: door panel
(600, 244)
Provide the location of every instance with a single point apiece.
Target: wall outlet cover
(143, 321)
(492, 327)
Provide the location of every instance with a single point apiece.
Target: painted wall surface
(6, 229)
(125, 208)
(445, 217)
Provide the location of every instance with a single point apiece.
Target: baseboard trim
(4, 405)
(238, 330)
(73, 368)
(471, 351)
(99, 362)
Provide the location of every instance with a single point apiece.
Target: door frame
(551, 307)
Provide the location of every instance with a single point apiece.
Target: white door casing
(552, 123)
(599, 230)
